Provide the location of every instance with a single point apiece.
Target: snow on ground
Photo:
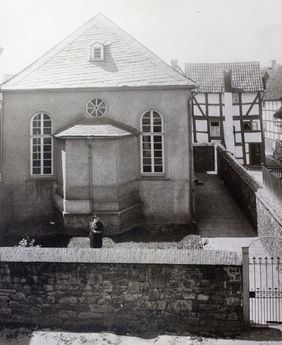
(68, 338)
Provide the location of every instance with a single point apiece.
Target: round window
(96, 107)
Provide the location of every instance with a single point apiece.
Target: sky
(187, 30)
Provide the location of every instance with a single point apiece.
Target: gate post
(246, 286)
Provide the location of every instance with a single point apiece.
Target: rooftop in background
(127, 63)
(210, 76)
(273, 91)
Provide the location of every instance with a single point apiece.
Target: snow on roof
(127, 63)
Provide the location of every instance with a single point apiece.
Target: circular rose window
(96, 107)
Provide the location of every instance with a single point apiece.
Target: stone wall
(239, 182)
(204, 157)
(144, 292)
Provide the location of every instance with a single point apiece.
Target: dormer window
(97, 52)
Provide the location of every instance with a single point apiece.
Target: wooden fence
(272, 179)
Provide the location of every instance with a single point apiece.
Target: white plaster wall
(253, 137)
(202, 138)
(201, 98)
(201, 125)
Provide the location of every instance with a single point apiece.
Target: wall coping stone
(204, 144)
(242, 171)
(271, 202)
(120, 256)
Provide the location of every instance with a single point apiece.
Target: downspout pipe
(191, 155)
(1, 133)
(90, 160)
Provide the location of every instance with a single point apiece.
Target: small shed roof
(278, 114)
(210, 76)
(95, 128)
(273, 91)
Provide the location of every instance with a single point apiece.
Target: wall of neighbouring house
(272, 127)
(65, 107)
(132, 291)
(204, 157)
(6, 210)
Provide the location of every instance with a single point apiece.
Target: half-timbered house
(227, 107)
(272, 102)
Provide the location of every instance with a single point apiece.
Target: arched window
(41, 145)
(152, 143)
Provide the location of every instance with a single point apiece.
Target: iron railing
(272, 179)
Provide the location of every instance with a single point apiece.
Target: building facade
(227, 107)
(99, 124)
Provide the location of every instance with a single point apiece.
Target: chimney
(227, 81)
(273, 64)
(174, 63)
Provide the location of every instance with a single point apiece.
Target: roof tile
(273, 90)
(210, 76)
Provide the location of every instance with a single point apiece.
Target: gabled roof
(210, 76)
(95, 128)
(127, 63)
(273, 91)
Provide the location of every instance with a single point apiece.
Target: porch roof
(99, 128)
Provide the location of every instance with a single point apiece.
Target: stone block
(131, 297)
(104, 308)
(87, 300)
(182, 305)
(86, 315)
(107, 286)
(153, 294)
(190, 296)
(66, 314)
(34, 311)
(202, 297)
(233, 301)
(160, 305)
(234, 316)
(68, 300)
(5, 313)
(18, 296)
(134, 287)
(4, 299)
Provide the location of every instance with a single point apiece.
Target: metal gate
(262, 297)
(265, 291)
